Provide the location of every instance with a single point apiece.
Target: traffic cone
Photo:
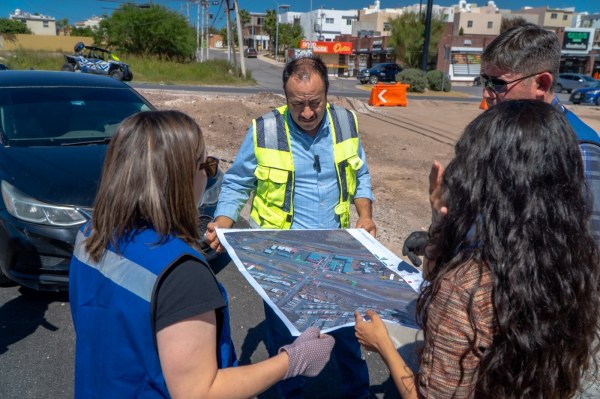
(483, 105)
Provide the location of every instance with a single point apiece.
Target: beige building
(373, 21)
(469, 19)
(38, 24)
(550, 18)
(254, 32)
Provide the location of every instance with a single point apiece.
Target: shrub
(436, 81)
(415, 78)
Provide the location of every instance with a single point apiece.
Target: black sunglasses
(498, 85)
(211, 166)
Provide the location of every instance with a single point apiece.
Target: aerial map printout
(320, 277)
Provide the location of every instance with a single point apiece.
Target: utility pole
(425, 54)
(240, 36)
(322, 15)
(311, 22)
(277, 35)
(207, 15)
(227, 10)
(198, 53)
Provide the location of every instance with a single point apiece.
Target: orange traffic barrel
(389, 95)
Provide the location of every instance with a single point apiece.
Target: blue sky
(77, 10)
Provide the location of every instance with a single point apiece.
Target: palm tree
(63, 24)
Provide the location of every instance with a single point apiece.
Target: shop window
(469, 24)
(490, 24)
(553, 15)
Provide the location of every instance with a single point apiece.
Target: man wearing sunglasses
(306, 166)
(521, 63)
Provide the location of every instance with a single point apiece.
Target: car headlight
(31, 210)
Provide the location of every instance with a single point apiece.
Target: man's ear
(545, 82)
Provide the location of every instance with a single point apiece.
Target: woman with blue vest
(150, 317)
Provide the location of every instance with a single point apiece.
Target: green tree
(270, 25)
(154, 30)
(244, 17)
(290, 35)
(11, 27)
(85, 31)
(407, 37)
(223, 32)
(63, 24)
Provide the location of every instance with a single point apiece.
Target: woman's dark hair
(304, 67)
(518, 204)
(148, 180)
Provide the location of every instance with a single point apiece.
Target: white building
(93, 22)
(38, 24)
(324, 25)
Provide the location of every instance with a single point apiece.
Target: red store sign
(327, 47)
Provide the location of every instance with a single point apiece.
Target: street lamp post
(284, 7)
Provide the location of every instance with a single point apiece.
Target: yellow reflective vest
(273, 205)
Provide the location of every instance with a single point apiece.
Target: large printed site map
(320, 277)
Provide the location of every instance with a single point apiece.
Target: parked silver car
(573, 81)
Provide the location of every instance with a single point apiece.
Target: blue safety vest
(112, 304)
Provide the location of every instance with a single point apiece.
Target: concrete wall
(63, 44)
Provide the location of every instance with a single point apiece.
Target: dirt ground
(400, 143)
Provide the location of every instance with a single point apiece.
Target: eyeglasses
(498, 85)
(211, 166)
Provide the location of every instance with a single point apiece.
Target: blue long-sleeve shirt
(316, 191)
(590, 153)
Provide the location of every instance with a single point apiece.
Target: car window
(54, 116)
(588, 78)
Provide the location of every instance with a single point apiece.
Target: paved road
(267, 74)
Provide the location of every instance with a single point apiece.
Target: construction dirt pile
(400, 143)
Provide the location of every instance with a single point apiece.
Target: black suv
(98, 61)
(385, 72)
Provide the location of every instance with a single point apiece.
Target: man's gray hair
(525, 49)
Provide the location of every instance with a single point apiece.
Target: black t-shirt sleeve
(189, 289)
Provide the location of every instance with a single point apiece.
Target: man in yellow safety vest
(305, 165)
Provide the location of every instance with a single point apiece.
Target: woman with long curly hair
(511, 306)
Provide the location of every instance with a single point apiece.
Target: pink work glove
(309, 353)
